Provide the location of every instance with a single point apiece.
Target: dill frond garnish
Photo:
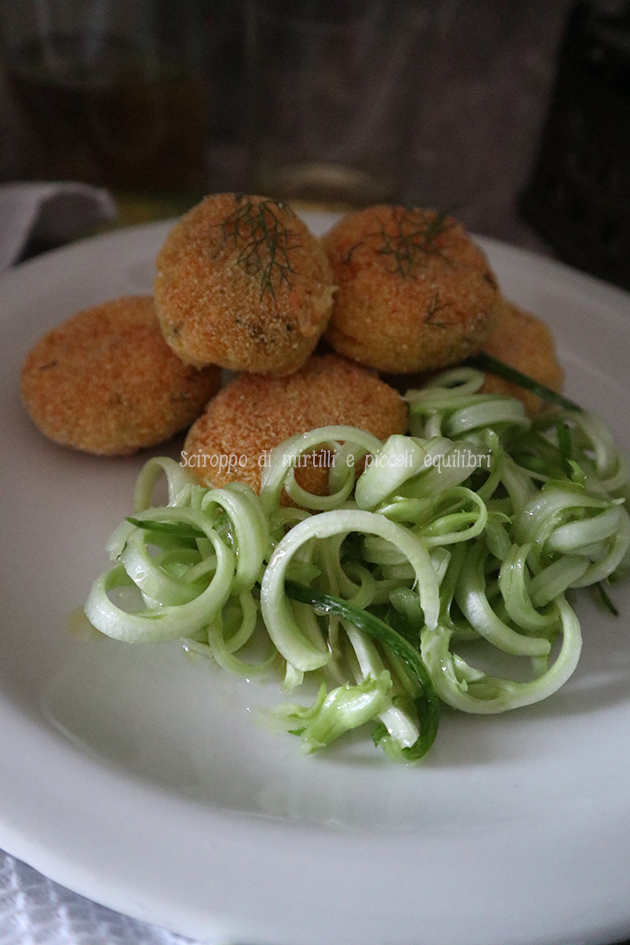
(266, 241)
(433, 309)
(408, 240)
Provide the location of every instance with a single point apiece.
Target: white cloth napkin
(52, 212)
(36, 911)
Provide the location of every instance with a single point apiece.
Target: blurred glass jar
(335, 83)
(578, 196)
(111, 92)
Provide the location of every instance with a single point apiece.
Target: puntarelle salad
(479, 525)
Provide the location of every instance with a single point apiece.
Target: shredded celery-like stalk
(468, 532)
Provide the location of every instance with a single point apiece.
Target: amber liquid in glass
(113, 116)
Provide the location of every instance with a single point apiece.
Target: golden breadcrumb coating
(105, 381)
(526, 343)
(242, 282)
(415, 293)
(253, 414)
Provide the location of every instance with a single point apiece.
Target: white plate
(140, 779)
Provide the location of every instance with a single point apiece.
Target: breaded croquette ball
(105, 381)
(242, 282)
(253, 414)
(525, 342)
(415, 293)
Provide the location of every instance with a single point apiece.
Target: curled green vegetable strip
(276, 611)
(470, 690)
(462, 539)
(427, 704)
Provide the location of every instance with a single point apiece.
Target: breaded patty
(105, 381)
(415, 293)
(242, 282)
(526, 343)
(253, 414)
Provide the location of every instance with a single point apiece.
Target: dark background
(482, 92)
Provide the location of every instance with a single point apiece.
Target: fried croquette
(253, 414)
(414, 292)
(242, 282)
(106, 382)
(526, 343)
